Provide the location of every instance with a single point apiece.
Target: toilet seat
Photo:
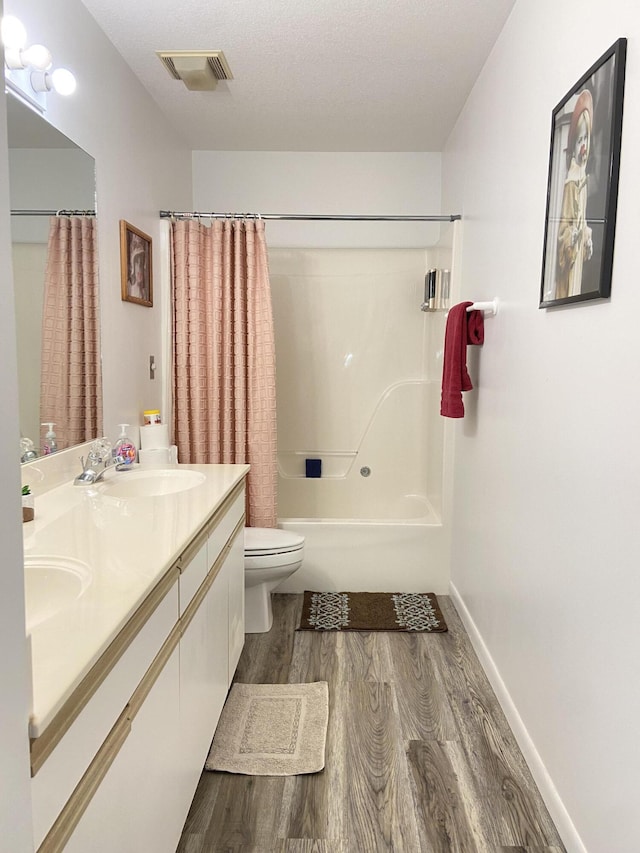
(265, 541)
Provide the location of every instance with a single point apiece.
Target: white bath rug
(272, 730)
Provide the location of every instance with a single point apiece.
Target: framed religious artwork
(582, 189)
(135, 265)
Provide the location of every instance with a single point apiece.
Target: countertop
(127, 544)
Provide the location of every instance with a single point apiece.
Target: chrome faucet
(99, 460)
(27, 450)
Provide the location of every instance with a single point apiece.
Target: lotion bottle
(124, 447)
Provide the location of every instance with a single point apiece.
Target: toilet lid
(270, 540)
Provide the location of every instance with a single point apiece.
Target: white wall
(545, 543)
(29, 264)
(141, 167)
(312, 182)
(48, 179)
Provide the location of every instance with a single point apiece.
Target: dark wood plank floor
(419, 757)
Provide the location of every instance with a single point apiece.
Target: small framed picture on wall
(135, 265)
(582, 189)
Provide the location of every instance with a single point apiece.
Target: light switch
(152, 367)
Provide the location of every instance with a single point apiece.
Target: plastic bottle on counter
(50, 444)
(124, 447)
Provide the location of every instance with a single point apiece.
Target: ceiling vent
(199, 70)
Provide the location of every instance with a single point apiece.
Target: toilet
(270, 557)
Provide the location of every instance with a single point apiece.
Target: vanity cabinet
(233, 570)
(129, 788)
(134, 807)
(211, 618)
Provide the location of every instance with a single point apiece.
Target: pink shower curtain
(71, 376)
(224, 354)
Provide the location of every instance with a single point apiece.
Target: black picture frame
(582, 189)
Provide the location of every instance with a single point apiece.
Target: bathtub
(374, 522)
(357, 555)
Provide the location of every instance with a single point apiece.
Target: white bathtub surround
(358, 386)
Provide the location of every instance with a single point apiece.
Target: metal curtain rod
(174, 214)
(53, 213)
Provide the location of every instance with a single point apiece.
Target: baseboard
(557, 810)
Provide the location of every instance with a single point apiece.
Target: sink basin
(51, 585)
(152, 483)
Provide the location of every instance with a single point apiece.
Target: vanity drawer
(202, 553)
(54, 781)
(193, 570)
(221, 532)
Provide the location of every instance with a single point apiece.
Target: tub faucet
(99, 459)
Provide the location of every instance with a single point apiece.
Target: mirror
(48, 172)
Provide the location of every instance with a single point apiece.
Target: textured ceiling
(312, 75)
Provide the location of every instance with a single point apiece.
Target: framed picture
(582, 192)
(135, 265)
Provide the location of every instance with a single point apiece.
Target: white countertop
(128, 544)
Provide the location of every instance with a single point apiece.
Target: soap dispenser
(50, 444)
(124, 447)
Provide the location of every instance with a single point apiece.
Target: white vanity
(135, 654)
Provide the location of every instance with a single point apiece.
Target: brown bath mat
(371, 611)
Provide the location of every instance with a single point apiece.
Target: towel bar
(490, 308)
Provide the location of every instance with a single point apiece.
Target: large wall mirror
(55, 279)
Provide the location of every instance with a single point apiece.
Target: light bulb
(38, 56)
(63, 81)
(13, 32)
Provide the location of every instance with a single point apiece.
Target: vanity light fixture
(14, 35)
(36, 56)
(61, 80)
(27, 69)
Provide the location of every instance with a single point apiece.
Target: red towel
(463, 327)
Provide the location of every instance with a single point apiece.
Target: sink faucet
(99, 459)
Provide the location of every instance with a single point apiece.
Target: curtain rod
(53, 213)
(173, 214)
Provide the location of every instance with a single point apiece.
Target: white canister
(154, 436)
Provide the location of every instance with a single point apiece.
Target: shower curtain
(71, 376)
(224, 395)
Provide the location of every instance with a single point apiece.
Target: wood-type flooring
(419, 755)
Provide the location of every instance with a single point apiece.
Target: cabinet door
(134, 809)
(234, 570)
(203, 683)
